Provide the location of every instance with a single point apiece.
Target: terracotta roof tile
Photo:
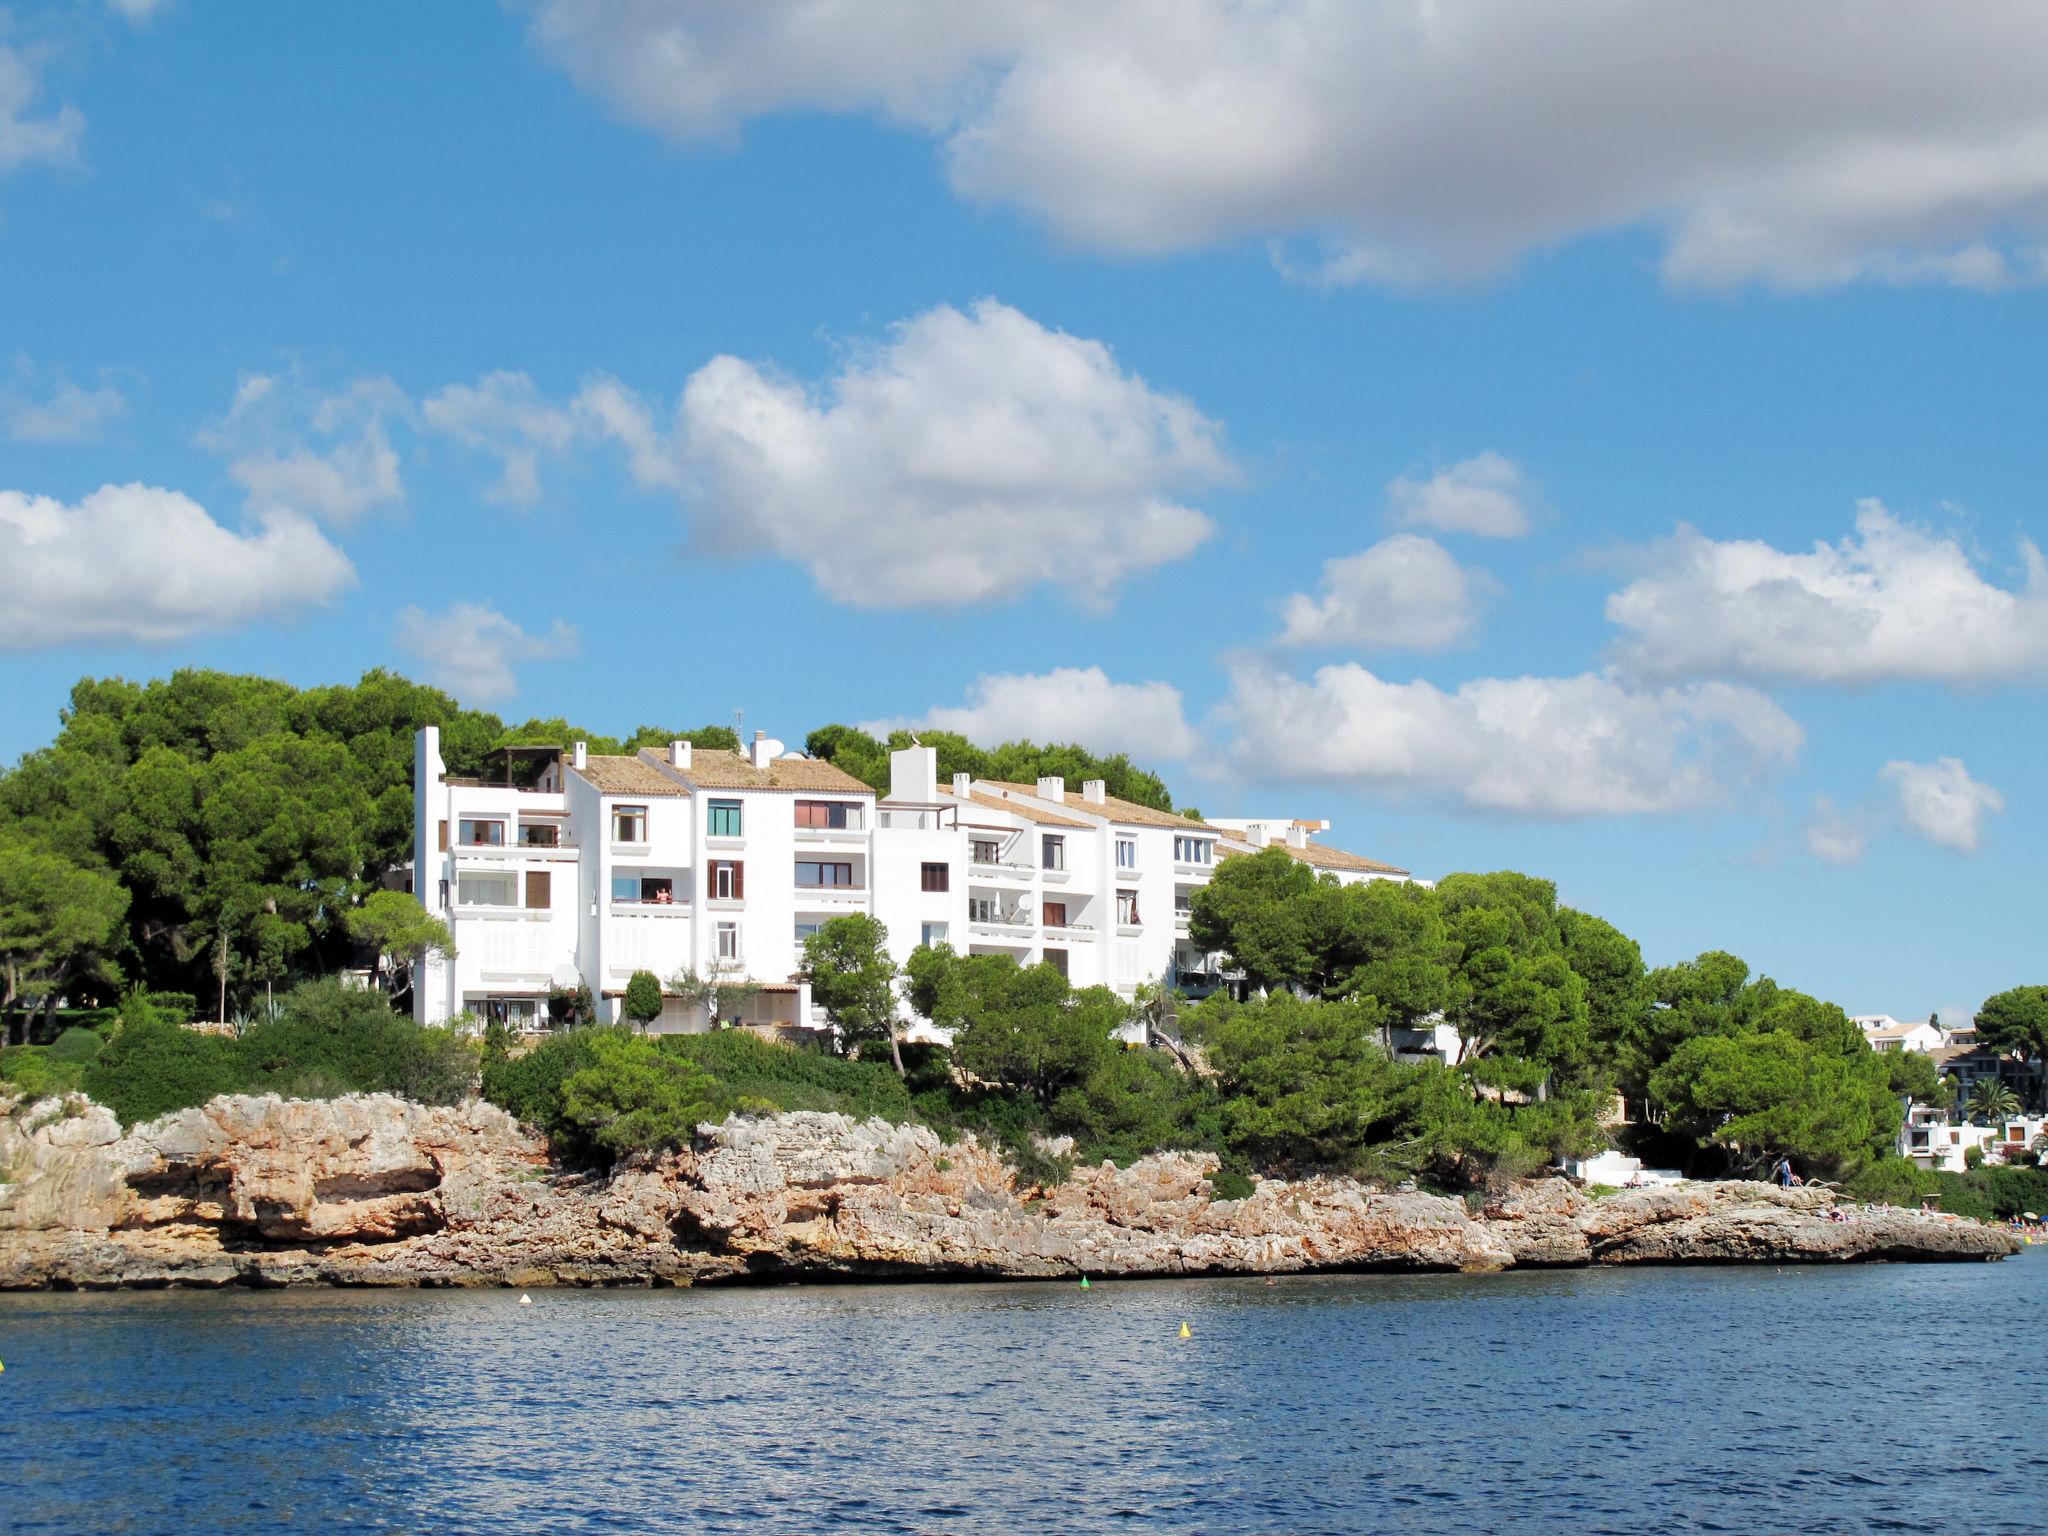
(1033, 813)
(1111, 808)
(624, 776)
(712, 768)
(1316, 856)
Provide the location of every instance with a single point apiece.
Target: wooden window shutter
(442, 828)
(539, 889)
(739, 882)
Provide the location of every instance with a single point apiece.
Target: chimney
(1095, 791)
(679, 755)
(1297, 835)
(914, 775)
(1053, 787)
(963, 784)
(761, 751)
(580, 754)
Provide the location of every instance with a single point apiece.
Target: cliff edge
(375, 1190)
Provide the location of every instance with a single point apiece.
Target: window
(983, 850)
(722, 819)
(1191, 850)
(540, 835)
(728, 880)
(1127, 853)
(540, 890)
(1055, 914)
(1057, 959)
(486, 890)
(481, 834)
(837, 815)
(728, 941)
(1127, 908)
(981, 909)
(1054, 850)
(937, 877)
(818, 872)
(805, 930)
(629, 823)
(625, 887)
(933, 935)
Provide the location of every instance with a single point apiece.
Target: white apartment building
(718, 864)
(1885, 1033)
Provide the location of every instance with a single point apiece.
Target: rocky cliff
(373, 1190)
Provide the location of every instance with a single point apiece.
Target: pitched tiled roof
(711, 768)
(1035, 813)
(1110, 807)
(1316, 856)
(624, 776)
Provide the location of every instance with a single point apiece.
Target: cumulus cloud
(502, 414)
(27, 136)
(143, 565)
(1411, 140)
(1539, 747)
(1941, 802)
(1404, 591)
(470, 649)
(967, 459)
(1066, 704)
(66, 414)
(1483, 495)
(1892, 602)
(326, 456)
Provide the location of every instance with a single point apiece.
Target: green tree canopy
(853, 978)
(58, 920)
(634, 1097)
(1021, 1027)
(397, 926)
(1763, 1095)
(642, 1003)
(2015, 1022)
(1024, 762)
(1303, 1083)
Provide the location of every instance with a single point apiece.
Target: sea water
(1885, 1397)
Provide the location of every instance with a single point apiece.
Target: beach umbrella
(2029, 1215)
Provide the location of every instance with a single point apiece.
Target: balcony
(650, 908)
(1000, 869)
(1002, 919)
(841, 835)
(831, 896)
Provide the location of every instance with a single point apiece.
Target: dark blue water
(1883, 1398)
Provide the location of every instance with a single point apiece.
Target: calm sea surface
(1883, 1398)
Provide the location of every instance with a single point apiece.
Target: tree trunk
(895, 1050)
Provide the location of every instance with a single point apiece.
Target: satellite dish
(565, 976)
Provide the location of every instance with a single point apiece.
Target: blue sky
(1058, 364)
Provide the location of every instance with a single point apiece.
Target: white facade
(718, 864)
(1885, 1033)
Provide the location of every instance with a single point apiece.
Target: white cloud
(1941, 802)
(24, 136)
(1528, 746)
(1078, 704)
(137, 564)
(968, 459)
(138, 11)
(470, 649)
(504, 415)
(1482, 495)
(1837, 836)
(1893, 602)
(1404, 591)
(327, 456)
(1411, 140)
(67, 414)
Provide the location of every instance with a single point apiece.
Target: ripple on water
(1675, 1400)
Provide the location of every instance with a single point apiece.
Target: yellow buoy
(1184, 1333)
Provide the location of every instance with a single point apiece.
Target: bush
(34, 1075)
(76, 1047)
(633, 1097)
(1892, 1181)
(330, 1039)
(1131, 1103)
(529, 1088)
(1231, 1184)
(175, 1007)
(152, 1068)
(1973, 1157)
(792, 1077)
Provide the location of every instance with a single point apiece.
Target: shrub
(642, 1002)
(152, 1068)
(633, 1097)
(529, 1088)
(1231, 1184)
(329, 1039)
(177, 1007)
(34, 1075)
(76, 1047)
(792, 1077)
(1973, 1157)
(1131, 1103)
(1892, 1181)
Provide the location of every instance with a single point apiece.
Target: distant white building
(1934, 1138)
(1885, 1033)
(718, 864)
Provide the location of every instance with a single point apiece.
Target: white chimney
(963, 784)
(914, 775)
(1094, 791)
(679, 755)
(1053, 787)
(580, 754)
(763, 750)
(1297, 835)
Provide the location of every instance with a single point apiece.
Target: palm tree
(1992, 1102)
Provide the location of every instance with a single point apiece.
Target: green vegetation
(853, 979)
(1991, 1102)
(633, 1097)
(2017, 1021)
(1983, 1193)
(642, 1003)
